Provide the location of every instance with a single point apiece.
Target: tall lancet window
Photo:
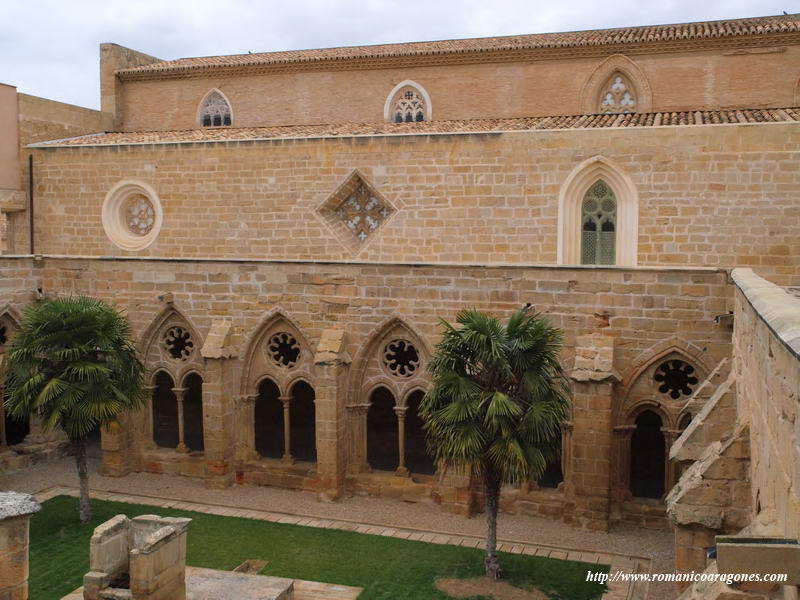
(408, 106)
(215, 111)
(599, 225)
(617, 96)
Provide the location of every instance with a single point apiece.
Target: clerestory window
(215, 110)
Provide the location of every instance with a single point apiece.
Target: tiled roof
(596, 37)
(226, 134)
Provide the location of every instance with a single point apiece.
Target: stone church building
(286, 229)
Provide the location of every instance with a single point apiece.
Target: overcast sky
(50, 47)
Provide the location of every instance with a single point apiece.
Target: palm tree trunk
(492, 490)
(85, 507)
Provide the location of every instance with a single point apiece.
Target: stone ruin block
(143, 558)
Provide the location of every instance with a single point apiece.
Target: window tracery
(676, 378)
(284, 349)
(598, 225)
(401, 358)
(215, 112)
(178, 343)
(408, 106)
(363, 212)
(140, 215)
(617, 96)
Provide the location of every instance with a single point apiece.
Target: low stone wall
(767, 365)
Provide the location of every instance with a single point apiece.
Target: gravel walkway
(624, 539)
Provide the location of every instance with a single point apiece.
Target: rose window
(283, 349)
(676, 378)
(178, 343)
(401, 358)
(140, 216)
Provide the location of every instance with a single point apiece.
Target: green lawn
(386, 568)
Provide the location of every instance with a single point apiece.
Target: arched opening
(383, 453)
(598, 229)
(269, 420)
(302, 423)
(417, 458)
(165, 412)
(553, 474)
(648, 456)
(684, 421)
(215, 110)
(16, 431)
(193, 412)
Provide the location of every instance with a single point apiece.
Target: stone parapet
(15, 512)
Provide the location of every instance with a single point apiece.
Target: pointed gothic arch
(421, 97)
(258, 362)
(602, 77)
(369, 368)
(278, 374)
(215, 110)
(570, 211)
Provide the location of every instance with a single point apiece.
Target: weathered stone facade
(285, 259)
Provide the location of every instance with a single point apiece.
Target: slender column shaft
(287, 430)
(179, 397)
(401, 440)
(3, 439)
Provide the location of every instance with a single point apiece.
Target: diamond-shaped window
(355, 212)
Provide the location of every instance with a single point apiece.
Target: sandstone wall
(714, 196)
(767, 363)
(645, 306)
(40, 119)
(678, 81)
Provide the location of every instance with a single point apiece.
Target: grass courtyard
(386, 568)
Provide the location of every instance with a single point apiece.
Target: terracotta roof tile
(595, 37)
(229, 134)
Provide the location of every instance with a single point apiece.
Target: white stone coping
(14, 504)
(776, 307)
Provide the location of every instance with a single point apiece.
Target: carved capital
(357, 409)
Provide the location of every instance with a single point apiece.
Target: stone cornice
(470, 57)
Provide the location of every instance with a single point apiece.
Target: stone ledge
(779, 309)
(13, 200)
(13, 504)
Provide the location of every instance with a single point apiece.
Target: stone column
(622, 453)
(671, 473)
(588, 490)
(246, 448)
(400, 411)
(179, 392)
(331, 368)
(357, 435)
(219, 405)
(3, 440)
(287, 430)
(15, 512)
(150, 428)
(566, 449)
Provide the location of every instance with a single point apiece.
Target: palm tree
(498, 399)
(72, 363)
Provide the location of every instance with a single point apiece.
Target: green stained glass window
(599, 225)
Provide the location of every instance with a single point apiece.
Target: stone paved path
(617, 591)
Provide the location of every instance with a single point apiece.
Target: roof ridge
(715, 29)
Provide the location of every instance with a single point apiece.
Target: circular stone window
(132, 215)
(283, 349)
(401, 358)
(178, 343)
(675, 378)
